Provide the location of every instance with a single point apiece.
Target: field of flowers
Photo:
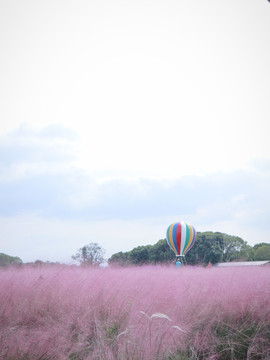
(153, 312)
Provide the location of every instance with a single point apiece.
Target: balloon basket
(180, 260)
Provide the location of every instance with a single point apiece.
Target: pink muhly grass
(150, 312)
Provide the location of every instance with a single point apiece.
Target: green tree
(233, 245)
(236, 248)
(207, 248)
(120, 258)
(139, 255)
(262, 252)
(6, 260)
(161, 252)
(246, 253)
(256, 246)
(158, 253)
(91, 254)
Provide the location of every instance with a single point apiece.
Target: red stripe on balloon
(178, 237)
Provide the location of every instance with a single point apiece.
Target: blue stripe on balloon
(174, 234)
(187, 237)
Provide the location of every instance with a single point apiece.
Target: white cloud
(52, 185)
(28, 151)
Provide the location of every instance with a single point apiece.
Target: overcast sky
(119, 117)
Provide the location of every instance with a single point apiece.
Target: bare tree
(91, 254)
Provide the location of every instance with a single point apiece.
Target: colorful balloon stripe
(168, 236)
(181, 237)
(193, 239)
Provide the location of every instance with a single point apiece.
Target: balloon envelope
(181, 237)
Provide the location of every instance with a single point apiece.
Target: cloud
(29, 145)
(27, 152)
(39, 178)
(241, 196)
(57, 131)
(51, 131)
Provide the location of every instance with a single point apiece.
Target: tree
(161, 252)
(246, 253)
(120, 258)
(207, 248)
(234, 248)
(262, 252)
(91, 254)
(6, 260)
(255, 247)
(139, 255)
(158, 253)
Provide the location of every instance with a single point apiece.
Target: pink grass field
(150, 312)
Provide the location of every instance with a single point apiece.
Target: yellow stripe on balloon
(171, 238)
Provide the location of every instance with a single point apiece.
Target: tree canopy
(210, 247)
(91, 254)
(262, 251)
(6, 260)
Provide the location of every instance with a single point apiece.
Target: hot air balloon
(181, 237)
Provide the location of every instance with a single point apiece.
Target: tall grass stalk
(150, 312)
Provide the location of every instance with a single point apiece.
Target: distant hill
(6, 260)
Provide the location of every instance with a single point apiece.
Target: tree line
(210, 247)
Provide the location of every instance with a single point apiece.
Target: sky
(120, 117)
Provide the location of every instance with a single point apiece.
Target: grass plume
(138, 313)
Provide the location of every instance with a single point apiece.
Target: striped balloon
(181, 237)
